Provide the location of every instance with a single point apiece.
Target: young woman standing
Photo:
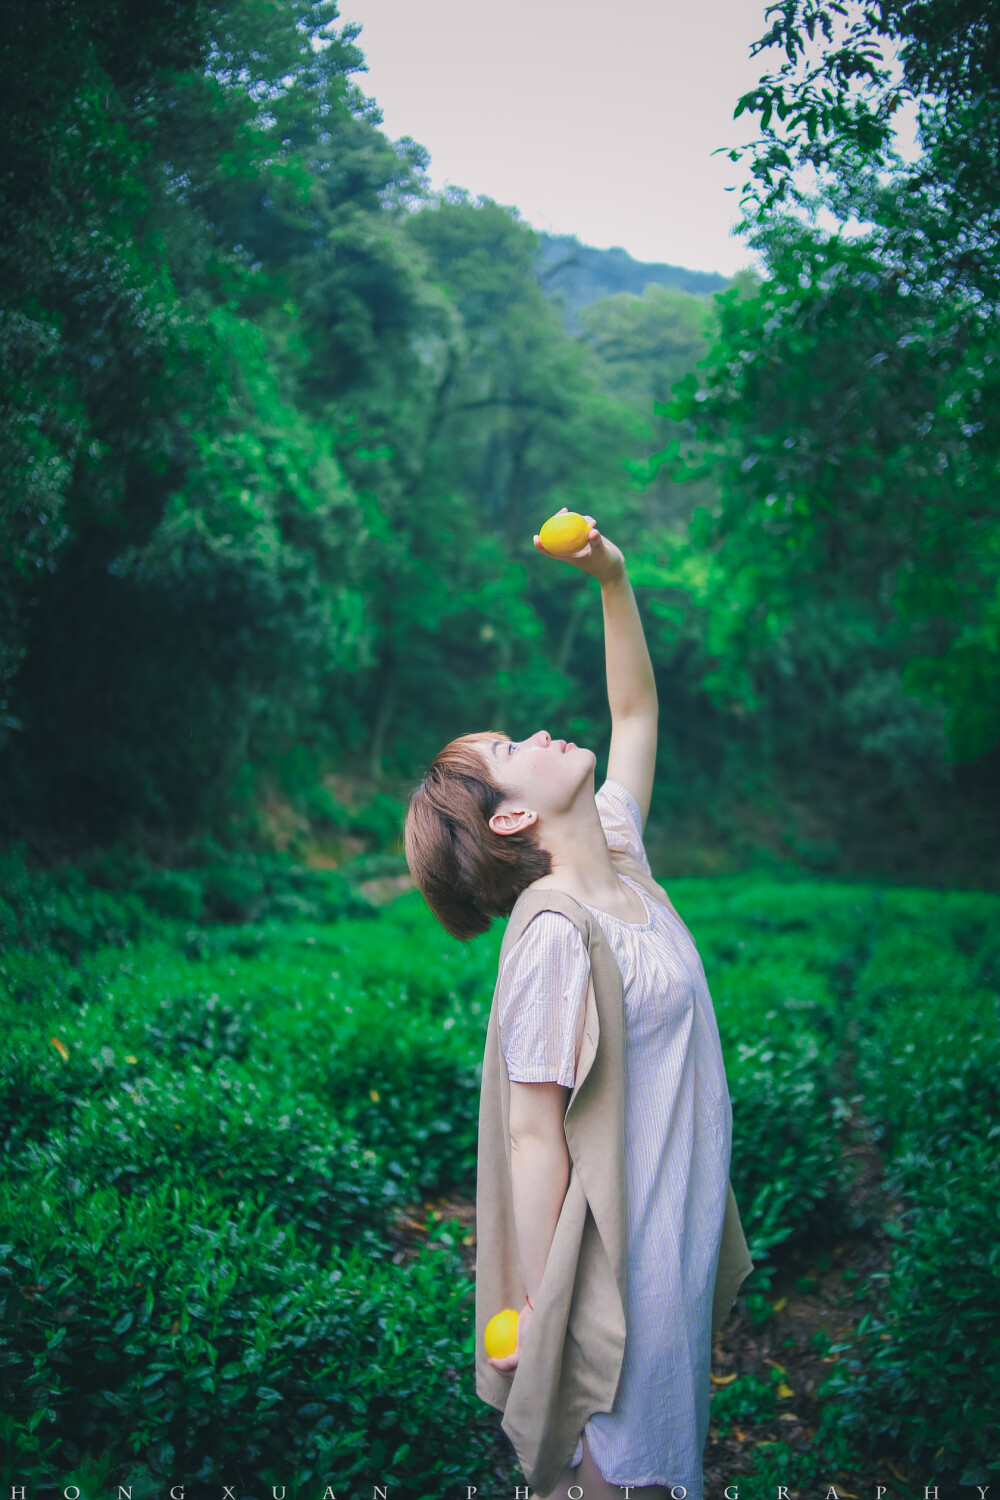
(492, 818)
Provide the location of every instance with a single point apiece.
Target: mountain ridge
(579, 274)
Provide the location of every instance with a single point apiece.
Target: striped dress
(678, 1136)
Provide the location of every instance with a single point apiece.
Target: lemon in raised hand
(500, 1337)
(565, 534)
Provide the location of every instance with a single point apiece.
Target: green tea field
(239, 1116)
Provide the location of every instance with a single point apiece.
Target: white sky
(590, 119)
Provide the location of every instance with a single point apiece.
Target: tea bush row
(186, 1335)
(905, 985)
(222, 1128)
(923, 1371)
(339, 1065)
(118, 897)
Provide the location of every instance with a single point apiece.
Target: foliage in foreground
(240, 1115)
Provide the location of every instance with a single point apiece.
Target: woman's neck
(581, 860)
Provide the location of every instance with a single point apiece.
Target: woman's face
(538, 774)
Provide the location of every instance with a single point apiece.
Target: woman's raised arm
(631, 684)
(631, 693)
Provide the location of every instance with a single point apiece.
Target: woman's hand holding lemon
(575, 539)
(499, 1331)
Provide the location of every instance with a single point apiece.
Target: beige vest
(572, 1351)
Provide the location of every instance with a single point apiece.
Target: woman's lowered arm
(539, 1170)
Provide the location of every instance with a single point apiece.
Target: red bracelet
(528, 1300)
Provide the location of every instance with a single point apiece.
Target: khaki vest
(572, 1352)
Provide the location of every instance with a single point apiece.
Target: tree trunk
(520, 438)
(581, 601)
(386, 686)
(383, 717)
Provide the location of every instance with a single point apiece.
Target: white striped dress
(678, 1137)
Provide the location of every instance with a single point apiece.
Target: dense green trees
(857, 534)
(274, 441)
(157, 472)
(833, 104)
(847, 411)
(277, 426)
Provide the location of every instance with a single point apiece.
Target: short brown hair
(467, 873)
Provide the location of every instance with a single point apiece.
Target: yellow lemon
(565, 534)
(500, 1337)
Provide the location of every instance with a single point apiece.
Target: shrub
(926, 1363)
(212, 1337)
(788, 1173)
(226, 1131)
(57, 910)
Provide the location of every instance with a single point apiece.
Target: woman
(491, 819)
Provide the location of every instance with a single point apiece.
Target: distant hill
(582, 274)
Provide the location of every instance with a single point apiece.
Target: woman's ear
(513, 820)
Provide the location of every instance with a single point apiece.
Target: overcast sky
(591, 119)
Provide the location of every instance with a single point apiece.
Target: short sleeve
(542, 999)
(621, 819)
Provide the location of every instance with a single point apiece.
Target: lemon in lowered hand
(565, 534)
(500, 1337)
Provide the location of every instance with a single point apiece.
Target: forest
(278, 423)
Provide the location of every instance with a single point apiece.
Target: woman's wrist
(614, 579)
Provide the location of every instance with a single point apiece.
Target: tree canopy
(278, 424)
